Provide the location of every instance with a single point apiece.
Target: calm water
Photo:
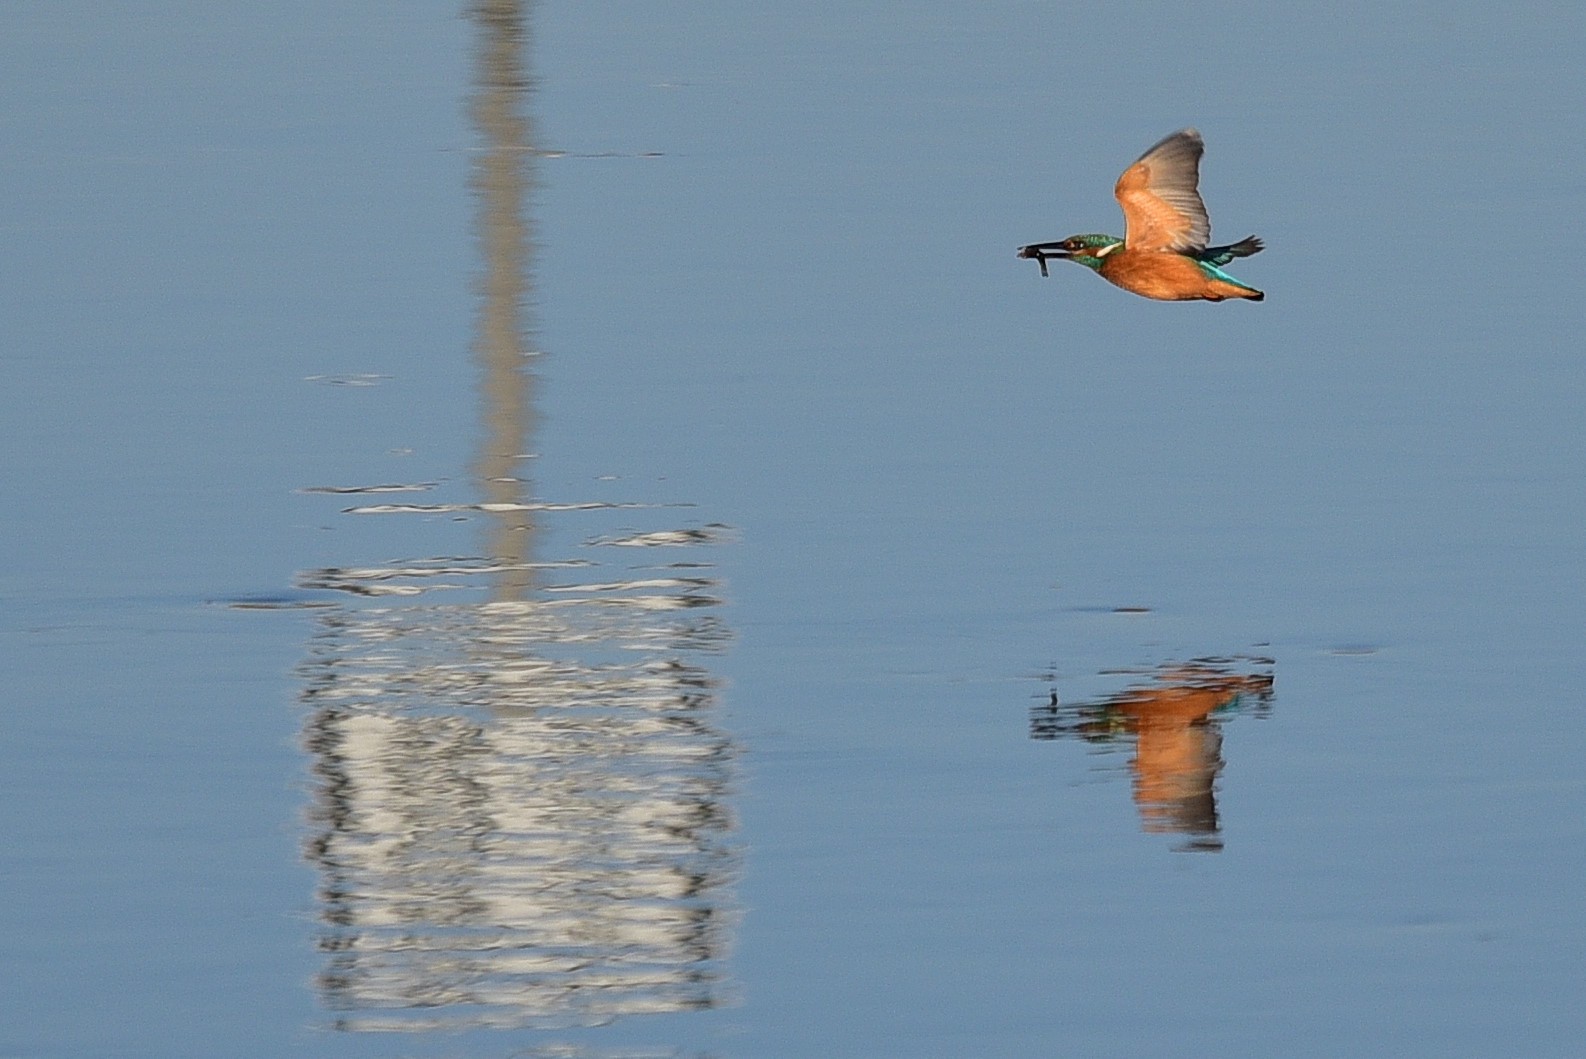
(565, 530)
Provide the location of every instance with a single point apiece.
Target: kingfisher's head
(1087, 250)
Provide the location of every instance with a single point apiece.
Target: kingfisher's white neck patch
(1105, 250)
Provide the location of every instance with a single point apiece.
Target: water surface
(566, 530)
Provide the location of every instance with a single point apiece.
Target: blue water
(759, 506)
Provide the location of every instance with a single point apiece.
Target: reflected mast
(503, 177)
(521, 809)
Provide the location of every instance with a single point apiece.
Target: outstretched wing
(1161, 208)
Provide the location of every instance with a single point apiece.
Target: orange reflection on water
(1174, 723)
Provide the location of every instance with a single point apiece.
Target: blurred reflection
(503, 175)
(520, 808)
(521, 811)
(1174, 724)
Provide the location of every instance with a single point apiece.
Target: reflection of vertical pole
(502, 177)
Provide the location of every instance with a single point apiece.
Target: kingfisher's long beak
(1042, 251)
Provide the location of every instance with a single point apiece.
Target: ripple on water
(520, 803)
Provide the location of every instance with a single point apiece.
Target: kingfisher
(1163, 252)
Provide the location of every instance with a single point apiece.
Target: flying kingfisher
(1163, 252)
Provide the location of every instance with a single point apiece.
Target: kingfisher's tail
(1221, 255)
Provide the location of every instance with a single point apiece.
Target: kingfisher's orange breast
(1167, 276)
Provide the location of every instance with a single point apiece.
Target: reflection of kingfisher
(1172, 724)
(1163, 252)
